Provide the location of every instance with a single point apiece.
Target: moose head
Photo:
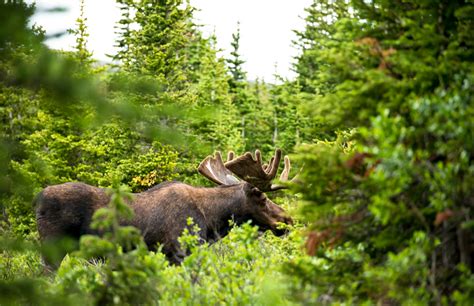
(256, 179)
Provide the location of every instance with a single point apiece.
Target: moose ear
(255, 193)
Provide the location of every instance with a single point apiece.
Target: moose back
(161, 212)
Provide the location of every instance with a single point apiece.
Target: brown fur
(161, 212)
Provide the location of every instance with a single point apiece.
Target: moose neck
(222, 205)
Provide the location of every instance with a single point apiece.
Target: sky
(266, 29)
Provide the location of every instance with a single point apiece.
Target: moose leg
(53, 250)
(55, 241)
(174, 253)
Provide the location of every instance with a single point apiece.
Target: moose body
(161, 212)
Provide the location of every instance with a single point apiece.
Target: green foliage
(257, 126)
(395, 199)
(292, 126)
(212, 94)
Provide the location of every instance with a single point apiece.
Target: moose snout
(278, 229)
(288, 220)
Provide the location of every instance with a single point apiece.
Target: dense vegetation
(379, 120)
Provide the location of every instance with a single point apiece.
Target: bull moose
(161, 212)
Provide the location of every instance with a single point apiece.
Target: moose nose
(280, 231)
(288, 220)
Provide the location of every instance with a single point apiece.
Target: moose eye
(257, 192)
(262, 200)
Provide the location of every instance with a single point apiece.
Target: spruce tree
(317, 37)
(155, 45)
(241, 96)
(213, 93)
(81, 33)
(235, 63)
(161, 40)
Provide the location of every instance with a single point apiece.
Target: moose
(161, 213)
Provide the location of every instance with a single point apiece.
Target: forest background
(379, 120)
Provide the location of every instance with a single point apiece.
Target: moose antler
(260, 175)
(286, 170)
(213, 168)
